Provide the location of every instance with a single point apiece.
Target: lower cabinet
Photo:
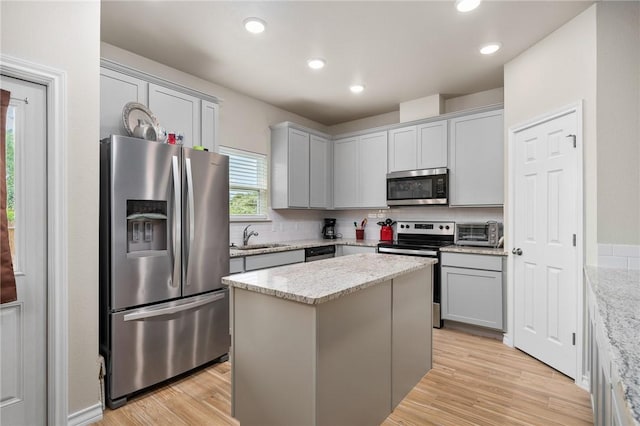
(269, 260)
(236, 265)
(473, 289)
(347, 250)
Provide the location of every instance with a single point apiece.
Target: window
(247, 184)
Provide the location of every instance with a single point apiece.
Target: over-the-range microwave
(418, 187)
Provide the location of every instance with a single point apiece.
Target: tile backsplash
(288, 225)
(619, 256)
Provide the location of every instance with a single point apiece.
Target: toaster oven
(486, 234)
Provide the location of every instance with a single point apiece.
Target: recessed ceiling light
(254, 25)
(316, 63)
(467, 5)
(490, 48)
(357, 88)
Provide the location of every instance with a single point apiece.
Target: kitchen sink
(258, 246)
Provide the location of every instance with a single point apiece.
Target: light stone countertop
(301, 244)
(475, 250)
(617, 299)
(318, 282)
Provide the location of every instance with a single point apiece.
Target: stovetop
(416, 235)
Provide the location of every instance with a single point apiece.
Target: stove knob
(441, 227)
(447, 227)
(402, 226)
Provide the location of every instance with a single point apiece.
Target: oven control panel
(426, 228)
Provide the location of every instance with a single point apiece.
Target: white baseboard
(507, 340)
(86, 416)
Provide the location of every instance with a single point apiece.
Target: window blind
(247, 184)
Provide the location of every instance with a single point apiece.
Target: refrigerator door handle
(191, 208)
(146, 313)
(175, 281)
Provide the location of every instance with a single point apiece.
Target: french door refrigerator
(164, 246)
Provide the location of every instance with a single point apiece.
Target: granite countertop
(617, 299)
(318, 282)
(475, 250)
(302, 244)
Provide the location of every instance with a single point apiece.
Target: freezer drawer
(158, 342)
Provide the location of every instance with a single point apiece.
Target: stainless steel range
(423, 239)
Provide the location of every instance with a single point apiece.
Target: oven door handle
(430, 253)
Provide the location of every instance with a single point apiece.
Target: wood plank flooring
(474, 381)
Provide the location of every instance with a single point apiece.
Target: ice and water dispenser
(146, 226)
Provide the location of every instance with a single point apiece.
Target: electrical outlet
(380, 215)
(372, 215)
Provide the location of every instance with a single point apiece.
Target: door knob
(517, 251)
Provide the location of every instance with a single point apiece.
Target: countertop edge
(486, 251)
(591, 273)
(231, 282)
(302, 244)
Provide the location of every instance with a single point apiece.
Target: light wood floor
(474, 381)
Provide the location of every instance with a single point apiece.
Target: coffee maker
(329, 229)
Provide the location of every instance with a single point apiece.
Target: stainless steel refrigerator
(164, 246)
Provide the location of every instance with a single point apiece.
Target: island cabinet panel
(354, 358)
(273, 359)
(411, 335)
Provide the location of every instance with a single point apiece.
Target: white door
(23, 322)
(545, 257)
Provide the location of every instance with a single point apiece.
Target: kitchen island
(337, 341)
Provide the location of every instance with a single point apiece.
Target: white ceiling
(399, 50)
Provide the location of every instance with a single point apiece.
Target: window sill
(249, 219)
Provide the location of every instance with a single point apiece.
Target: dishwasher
(319, 253)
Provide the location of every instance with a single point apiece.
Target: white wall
(385, 119)
(244, 121)
(557, 71)
(474, 100)
(65, 35)
(618, 126)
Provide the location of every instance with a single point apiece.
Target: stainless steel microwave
(418, 187)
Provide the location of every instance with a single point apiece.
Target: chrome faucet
(246, 235)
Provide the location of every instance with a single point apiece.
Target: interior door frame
(55, 82)
(581, 379)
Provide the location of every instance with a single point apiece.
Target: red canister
(386, 233)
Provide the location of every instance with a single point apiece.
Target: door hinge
(574, 139)
(574, 240)
(573, 338)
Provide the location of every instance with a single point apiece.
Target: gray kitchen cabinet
(473, 289)
(178, 109)
(116, 89)
(345, 172)
(177, 112)
(236, 265)
(360, 165)
(403, 145)
(423, 146)
(320, 172)
(209, 130)
(300, 168)
(347, 250)
(476, 160)
(270, 260)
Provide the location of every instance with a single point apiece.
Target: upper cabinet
(177, 112)
(300, 168)
(178, 109)
(422, 146)
(359, 178)
(476, 160)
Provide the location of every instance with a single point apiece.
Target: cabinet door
(432, 145)
(372, 172)
(177, 112)
(345, 173)
(476, 160)
(115, 91)
(402, 149)
(320, 172)
(209, 126)
(298, 168)
(472, 296)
